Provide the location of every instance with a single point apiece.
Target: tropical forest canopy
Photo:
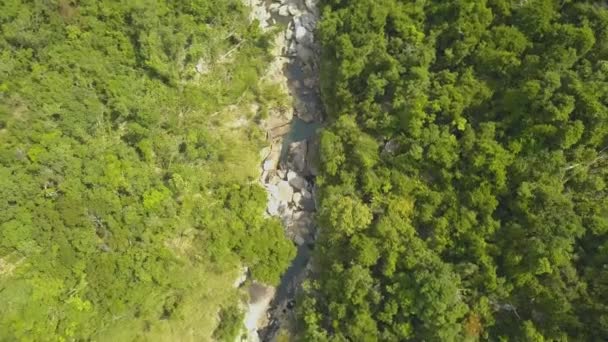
(127, 206)
(463, 185)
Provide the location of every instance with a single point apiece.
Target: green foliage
(463, 186)
(126, 200)
(230, 326)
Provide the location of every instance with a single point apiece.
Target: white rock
(293, 10)
(288, 34)
(269, 165)
(299, 240)
(297, 198)
(274, 180)
(301, 35)
(272, 207)
(284, 11)
(311, 5)
(274, 7)
(284, 192)
(291, 175)
(281, 173)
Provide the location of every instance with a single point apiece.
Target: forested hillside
(463, 184)
(127, 195)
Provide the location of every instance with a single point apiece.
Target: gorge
(290, 162)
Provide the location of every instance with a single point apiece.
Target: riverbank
(289, 163)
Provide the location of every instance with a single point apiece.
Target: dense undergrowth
(127, 198)
(463, 190)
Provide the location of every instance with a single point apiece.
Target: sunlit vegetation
(463, 185)
(127, 197)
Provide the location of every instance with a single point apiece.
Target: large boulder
(302, 51)
(273, 200)
(303, 36)
(303, 225)
(296, 159)
(284, 192)
(307, 21)
(308, 110)
(284, 11)
(298, 240)
(291, 174)
(298, 183)
(303, 201)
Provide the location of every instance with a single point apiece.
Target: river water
(301, 74)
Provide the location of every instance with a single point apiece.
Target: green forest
(462, 192)
(127, 204)
(464, 171)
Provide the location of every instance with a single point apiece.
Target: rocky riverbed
(289, 162)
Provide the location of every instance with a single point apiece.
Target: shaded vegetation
(229, 327)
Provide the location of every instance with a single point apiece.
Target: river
(289, 167)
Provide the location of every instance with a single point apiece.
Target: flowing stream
(289, 167)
